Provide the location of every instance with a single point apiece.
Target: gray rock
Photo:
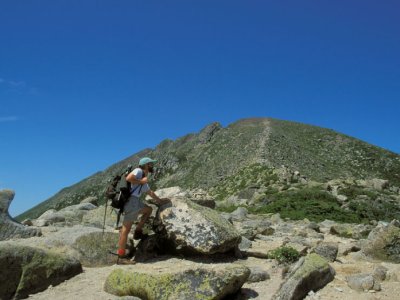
(94, 248)
(309, 274)
(92, 199)
(379, 273)
(313, 226)
(226, 216)
(26, 270)
(197, 229)
(251, 228)
(245, 244)
(351, 230)
(379, 184)
(77, 207)
(236, 201)
(326, 225)
(170, 192)
(95, 217)
(239, 214)
(47, 213)
(48, 218)
(276, 218)
(257, 274)
(327, 250)
(9, 228)
(383, 243)
(202, 282)
(363, 282)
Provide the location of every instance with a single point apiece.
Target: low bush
(284, 255)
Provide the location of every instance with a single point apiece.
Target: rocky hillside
(217, 158)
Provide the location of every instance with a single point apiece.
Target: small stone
(257, 274)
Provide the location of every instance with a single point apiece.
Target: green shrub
(284, 255)
(227, 209)
(353, 191)
(311, 203)
(375, 210)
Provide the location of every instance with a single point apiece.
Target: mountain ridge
(203, 159)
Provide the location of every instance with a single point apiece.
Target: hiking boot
(139, 235)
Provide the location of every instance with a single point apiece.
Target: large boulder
(95, 217)
(355, 231)
(72, 214)
(251, 228)
(196, 229)
(91, 199)
(94, 248)
(9, 228)
(383, 243)
(309, 274)
(195, 282)
(327, 250)
(26, 270)
(363, 282)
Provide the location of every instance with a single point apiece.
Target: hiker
(135, 206)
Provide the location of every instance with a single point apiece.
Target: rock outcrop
(197, 282)
(384, 242)
(26, 270)
(196, 229)
(309, 274)
(9, 228)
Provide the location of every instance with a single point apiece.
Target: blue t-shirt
(138, 189)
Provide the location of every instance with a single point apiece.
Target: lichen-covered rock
(189, 284)
(94, 248)
(26, 270)
(383, 243)
(9, 228)
(251, 228)
(197, 229)
(327, 250)
(351, 230)
(309, 274)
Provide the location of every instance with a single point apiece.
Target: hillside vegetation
(274, 165)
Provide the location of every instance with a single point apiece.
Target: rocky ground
(335, 260)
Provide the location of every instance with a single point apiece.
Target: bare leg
(123, 237)
(146, 213)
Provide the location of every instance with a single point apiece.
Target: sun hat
(146, 160)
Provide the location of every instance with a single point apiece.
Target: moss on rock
(26, 270)
(202, 283)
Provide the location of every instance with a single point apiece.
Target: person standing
(135, 206)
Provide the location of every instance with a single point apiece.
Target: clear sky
(84, 84)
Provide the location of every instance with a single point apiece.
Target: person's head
(146, 163)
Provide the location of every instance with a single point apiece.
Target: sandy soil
(89, 284)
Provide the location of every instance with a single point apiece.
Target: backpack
(119, 191)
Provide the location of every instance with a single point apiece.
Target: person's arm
(157, 200)
(132, 179)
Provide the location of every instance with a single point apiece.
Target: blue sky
(84, 84)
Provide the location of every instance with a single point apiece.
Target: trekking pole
(104, 221)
